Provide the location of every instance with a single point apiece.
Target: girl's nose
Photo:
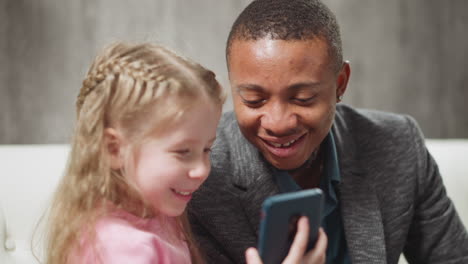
(200, 170)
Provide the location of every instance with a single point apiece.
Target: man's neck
(308, 177)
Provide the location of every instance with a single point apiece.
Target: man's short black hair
(288, 20)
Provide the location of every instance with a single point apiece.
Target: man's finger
(318, 253)
(299, 245)
(252, 257)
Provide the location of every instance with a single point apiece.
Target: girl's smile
(173, 164)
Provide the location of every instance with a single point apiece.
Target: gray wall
(406, 56)
(409, 56)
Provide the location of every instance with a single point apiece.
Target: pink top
(124, 238)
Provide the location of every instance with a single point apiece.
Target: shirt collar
(332, 167)
(330, 177)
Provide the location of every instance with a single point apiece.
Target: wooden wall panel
(409, 57)
(406, 56)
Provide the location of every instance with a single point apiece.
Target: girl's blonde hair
(122, 88)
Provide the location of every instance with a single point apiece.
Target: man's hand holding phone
(297, 253)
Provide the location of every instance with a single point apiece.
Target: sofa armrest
(30, 174)
(3, 237)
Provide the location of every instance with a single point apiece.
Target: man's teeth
(182, 193)
(283, 145)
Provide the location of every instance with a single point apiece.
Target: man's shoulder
(228, 124)
(378, 137)
(230, 143)
(367, 123)
(225, 152)
(358, 117)
(233, 157)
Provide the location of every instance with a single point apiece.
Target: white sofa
(31, 172)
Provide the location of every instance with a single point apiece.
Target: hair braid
(123, 88)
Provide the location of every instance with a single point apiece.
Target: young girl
(146, 119)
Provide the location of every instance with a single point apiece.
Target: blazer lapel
(362, 221)
(253, 178)
(253, 198)
(360, 208)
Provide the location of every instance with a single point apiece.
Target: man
(383, 191)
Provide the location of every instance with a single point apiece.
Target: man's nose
(278, 120)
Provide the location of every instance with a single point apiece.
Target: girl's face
(172, 165)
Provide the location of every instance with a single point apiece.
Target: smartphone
(278, 224)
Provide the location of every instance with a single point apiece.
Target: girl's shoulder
(120, 237)
(119, 225)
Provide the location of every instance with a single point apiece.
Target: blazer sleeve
(436, 234)
(211, 250)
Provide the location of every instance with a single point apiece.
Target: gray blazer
(391, 193)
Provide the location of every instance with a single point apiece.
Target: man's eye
(304, 100)
(253, 103)
(252, 98)
(182, 151)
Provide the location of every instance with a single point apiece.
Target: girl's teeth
(183, 193)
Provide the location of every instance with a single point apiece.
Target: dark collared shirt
(337, 250)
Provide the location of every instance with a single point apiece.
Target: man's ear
(342, 80)
(114, 146)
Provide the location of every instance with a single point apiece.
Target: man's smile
(284, 148)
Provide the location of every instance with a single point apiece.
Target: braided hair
(122, 88)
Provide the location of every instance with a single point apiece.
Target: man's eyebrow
(249, 87)
(295, 86)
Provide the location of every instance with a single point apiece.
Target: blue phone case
(279, 220)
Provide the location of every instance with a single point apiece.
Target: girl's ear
(114, 145)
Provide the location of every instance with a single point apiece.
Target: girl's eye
(182, 151)
(207, 150)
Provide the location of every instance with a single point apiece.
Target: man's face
(284, 95)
